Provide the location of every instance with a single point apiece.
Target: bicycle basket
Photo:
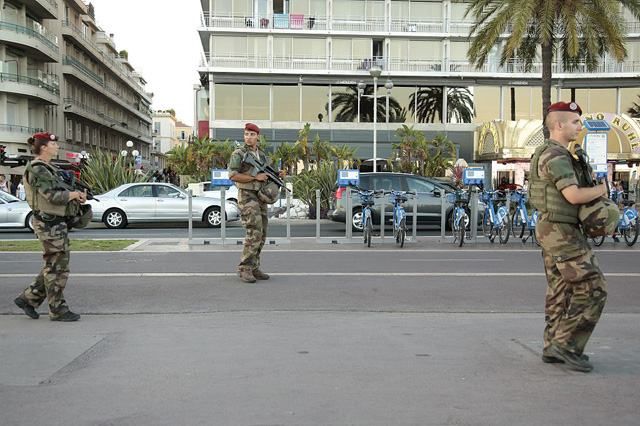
(485, 197)
(517, 196)
(457, 196)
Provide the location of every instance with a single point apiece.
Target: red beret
(45, 136)
(565, 106)
(252, 128)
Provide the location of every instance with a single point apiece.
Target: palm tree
(302, 145)
(320, 149)
(634, 111)
(287, 154)
(441, 155)
(346, 105)
(578, 31)
(343, 154)
(459, 104)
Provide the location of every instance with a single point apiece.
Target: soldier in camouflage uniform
(53, 207)
(252, 203)
(577, 290)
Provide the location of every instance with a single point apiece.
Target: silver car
(156, 202)
(14, 213)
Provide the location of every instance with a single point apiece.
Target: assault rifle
(71, 183)
(258, 167)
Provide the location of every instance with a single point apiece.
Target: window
(138, 191)
(387, 182)
(420, 186)
(164, 191)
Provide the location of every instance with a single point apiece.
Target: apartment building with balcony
(282, 63)
(61, 72)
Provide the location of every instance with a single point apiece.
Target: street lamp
(388, 85)
(361, 87)
(375, 72)
(125, 152)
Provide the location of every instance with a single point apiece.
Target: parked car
(204, 189)
(429, 195)
(14, 213)
(157, 202)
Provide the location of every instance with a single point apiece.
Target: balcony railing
(12, 128)
(49, 40)
(406, 65)
(112, 121)
(16, 78)
(291, 21)
(68, 60)
(413, 26)
(358, 23)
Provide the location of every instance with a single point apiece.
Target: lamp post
(361, 87)
(375, 72)
(133, 153)
(388, 85)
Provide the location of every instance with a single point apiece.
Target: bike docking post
(382, 217)
(348, 232)
(443, 216)
(473, 206)
(318, 215)
(289, 195)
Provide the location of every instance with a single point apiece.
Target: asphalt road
(341, 334)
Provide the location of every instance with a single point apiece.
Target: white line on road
(460, 259)
(320, 274)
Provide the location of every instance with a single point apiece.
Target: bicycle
(495, 221)
(459, 219)
(521, 221)
(628, 225)
(397, 198)
(367, 200)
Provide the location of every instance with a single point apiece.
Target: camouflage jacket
(45, 192)
(553, 168)
(236, 165)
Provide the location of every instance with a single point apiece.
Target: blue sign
(473, 176)
(348, 177)
(220, 177)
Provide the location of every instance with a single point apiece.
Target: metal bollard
(443, 215)
(348, 213)
(289, 185)
(382, 214)
(223, 214)
(317, 215)
(190, 192)
(414, 231)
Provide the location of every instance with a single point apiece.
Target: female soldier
(52, 207)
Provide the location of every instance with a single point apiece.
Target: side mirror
(437, 192)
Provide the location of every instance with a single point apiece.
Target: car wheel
(212, 217)
(28, 222)
(115, 219)
(356, 219)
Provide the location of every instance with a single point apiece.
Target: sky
(162, 40)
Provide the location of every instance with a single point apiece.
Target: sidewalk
(311, 368)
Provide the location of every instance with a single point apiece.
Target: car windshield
(8, 198)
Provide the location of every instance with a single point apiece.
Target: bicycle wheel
(504, 229)
(461, 230)
(486, 224)
(631, 234)
(402, 233)
(369, 231)
(597, 241)
(365, 229)
(534, 238)
(517, 224)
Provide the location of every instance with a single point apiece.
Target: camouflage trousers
(254, 219)
(576, 288)
(52, 279)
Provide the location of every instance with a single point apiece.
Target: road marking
(319, 274)
(460, 259)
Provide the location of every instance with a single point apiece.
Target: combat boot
(259, 275)
(66, 317)
(547, 358)
(574, 361)
(27, 308)
(246, 276)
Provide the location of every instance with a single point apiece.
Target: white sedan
(157, 202)
(14, 213)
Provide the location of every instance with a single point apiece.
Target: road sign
(473, 176)
(220, 177)
(348, 177)
(596, 148)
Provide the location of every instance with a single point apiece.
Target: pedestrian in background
(577, 290)
(52, 207)
(4, 186)
(20, 192)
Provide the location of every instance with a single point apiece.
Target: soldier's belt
(49, 219)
